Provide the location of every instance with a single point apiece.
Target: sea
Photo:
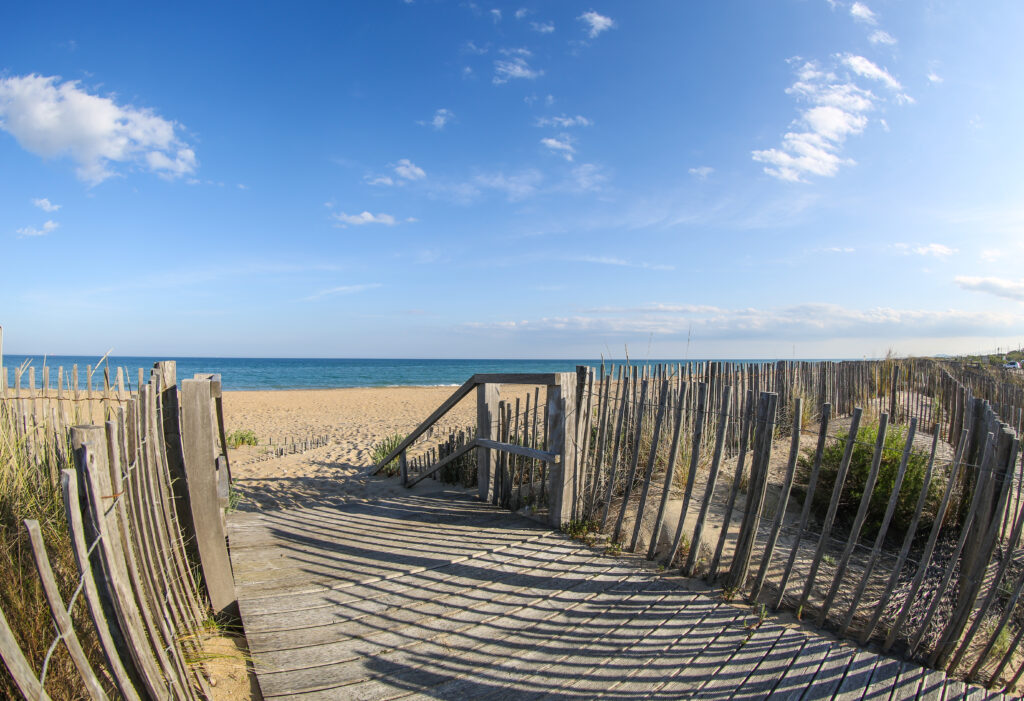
(304, 373)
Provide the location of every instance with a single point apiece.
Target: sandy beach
(353, 419)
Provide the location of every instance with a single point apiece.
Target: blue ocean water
(303, 373)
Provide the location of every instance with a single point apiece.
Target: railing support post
(562, 481)
(487, 396)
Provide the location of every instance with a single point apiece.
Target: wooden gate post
(201, 476)
(562, 491)
(487, 396)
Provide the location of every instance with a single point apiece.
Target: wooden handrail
(457, 396)
(544, 455)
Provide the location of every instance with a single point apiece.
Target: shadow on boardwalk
(435, 595)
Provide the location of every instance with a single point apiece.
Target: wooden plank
(451, 457)
(91, 459)
(783, 501)
(623, 410)
(833, 506)
(926, 556)
(543, 455)
(76, 530)
(883, 529)
(649, 472)
(633, 462)
(197, 442)
(61, 618)
(812, 484)
(487, 398)
(21, 671)
(666, 491)
(748, 410)
(691, 475)
(562, 496)
(709, 489)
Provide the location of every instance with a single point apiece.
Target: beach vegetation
(856, 481)
(383, 448)
(30, 489)
(240, 437)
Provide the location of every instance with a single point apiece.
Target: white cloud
(440, 119)
(701, 172)
(1007, 289)
(860, 11)
(471, 48)
(379, 180)
(409, 170)
(343, 290)
(563, 121)
(496, 15)
(933, 77)
(522, 12)
(789, 324)
(596, 23)
(345, 220)
(45, 204)
(588, 177)
(839, 249)
(516, 67)
(836, 109)
(935, 249)
(53, 119)
(863, 67)
(561, 145)
(880, 36)
(621, 263)
(32, 231)
(543, 27)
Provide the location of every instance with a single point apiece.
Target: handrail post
(403, 465)
(561, 441)
(487, 396)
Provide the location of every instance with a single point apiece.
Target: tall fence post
(487, 397)
(561, 441)
(204, 500)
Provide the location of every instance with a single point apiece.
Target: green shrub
(242, 437)
(856, 480)
(383, 448)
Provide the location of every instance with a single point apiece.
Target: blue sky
(469, 179)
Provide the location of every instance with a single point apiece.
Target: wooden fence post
(561, 402)
(203, 499)
(487, 397)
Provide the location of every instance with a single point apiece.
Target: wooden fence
(144, 495)
(880, 499)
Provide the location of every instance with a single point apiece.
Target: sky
(418, 178)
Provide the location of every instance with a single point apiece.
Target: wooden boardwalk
(435, 595)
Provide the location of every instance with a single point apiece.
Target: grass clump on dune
(383, 448)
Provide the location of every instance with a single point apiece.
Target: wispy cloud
(596, 23)
(45, 204)
(379, 180)
(863, 67)
(588, 177)
(543, 27)
(517, 186)
(934, 249)
(934, 77)
(52, 119)
(880, 36)
(792, 323)
(514, 68)
(701, 172)
(563, 121)
(1000, 287)
(408, 170)
(561, 145)
(440, 119)
(861, 12)
(343, 290)
(345, 220)
(621, 262)
(30, 231)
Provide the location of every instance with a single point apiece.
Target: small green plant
(384, 448)
(578, 529)
(242, 437)
(828, 560)
(1001, 645)
(234, 499)
(613, 549)
(730, 592)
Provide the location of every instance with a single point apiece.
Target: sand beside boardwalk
(353, 419)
